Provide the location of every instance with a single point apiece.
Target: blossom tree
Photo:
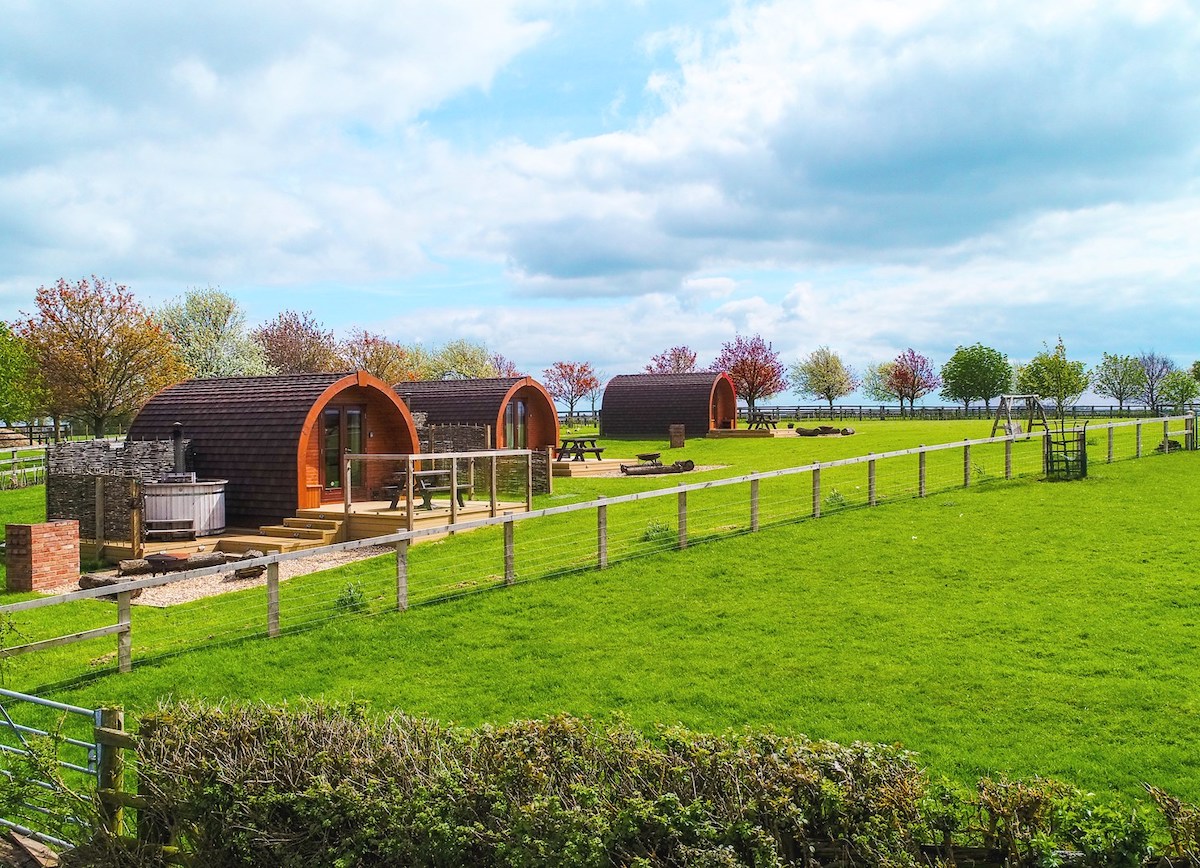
(676, 360)
(569, 382)
(754, 366)
(822, 374)
(296, 343)
(911, 377)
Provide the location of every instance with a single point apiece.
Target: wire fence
(518, 547)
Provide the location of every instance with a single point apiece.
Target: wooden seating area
(424, 484)
(578, 448)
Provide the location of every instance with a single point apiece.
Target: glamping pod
(646, 405)
(519, 410)
(279, 440)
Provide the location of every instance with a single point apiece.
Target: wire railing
(508, 549)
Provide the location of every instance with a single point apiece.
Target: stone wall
(73, 496)
(143, 459)
(41, 555)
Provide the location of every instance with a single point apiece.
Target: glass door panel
(331, 448)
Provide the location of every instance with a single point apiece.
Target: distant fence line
(940, 412)
(773, 497)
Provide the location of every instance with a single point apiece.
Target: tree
(1052, 375)
(823, 374)
(976, 373)
(1195, 371)
(100, 353)
(1178, 388)
(1155, 367)
(295, 343)
(594, 393)
(375, 354)
(754, 367)
(570, 381)
(911, 376)
(19, 381)
(209, 327)
(463, 360)
(1119, 377)
(676, 360)
(504, 367)
(877, 382)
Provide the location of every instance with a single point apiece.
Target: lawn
(1023, 627)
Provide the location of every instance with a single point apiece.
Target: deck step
(319, 535)
(313, 523)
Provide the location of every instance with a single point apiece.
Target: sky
(599, 181)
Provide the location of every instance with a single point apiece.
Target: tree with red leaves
(755, 368)
(570, 381)
(911, 376)
(98, 352)
(676, 360)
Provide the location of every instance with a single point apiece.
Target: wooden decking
(590, 468)
(374, 518)
(311, 528)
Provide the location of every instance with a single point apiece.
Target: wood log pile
(824, 431)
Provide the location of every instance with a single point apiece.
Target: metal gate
(23, 746)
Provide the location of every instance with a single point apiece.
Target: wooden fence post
(510, 573)
(1008, 458)
(110, 771)
(1110, 444)
(135, 517)
(966, 465)
(402, 575)
(683, 519)
(409, 469)
(753, 505)
(550, 470)
(273, 599)
(1189, 423)
(1138, 429)
(453, 491)
(125, 637)
(816, 483)
(871, 481)
(529, 482)
(346, 486)
(601, 534)
(1166, 436)
(99, 508)
(492, 508)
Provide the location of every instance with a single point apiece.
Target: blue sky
(601, 180)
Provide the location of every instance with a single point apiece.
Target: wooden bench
(421, 486)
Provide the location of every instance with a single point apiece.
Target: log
(655, 469)
(134, 567)
(92, 580)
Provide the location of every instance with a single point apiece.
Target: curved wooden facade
(646, 405)
(277, 440)
(519, 410)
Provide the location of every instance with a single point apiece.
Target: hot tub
(203, 502)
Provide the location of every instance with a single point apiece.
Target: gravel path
(223, 583)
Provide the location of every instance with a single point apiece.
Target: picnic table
(578, 448)
(425, 483)
(762, 419)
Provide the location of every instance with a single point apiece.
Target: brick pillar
(42, 555)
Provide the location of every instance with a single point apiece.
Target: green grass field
(1023, 627)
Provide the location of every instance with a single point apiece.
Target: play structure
(1064, 450)
(1035, 414)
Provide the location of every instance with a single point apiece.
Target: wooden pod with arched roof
(279, 440)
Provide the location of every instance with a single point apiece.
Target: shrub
(351, 599)
(657, 531)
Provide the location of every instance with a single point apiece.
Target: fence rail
(18, 470)
(554, 548)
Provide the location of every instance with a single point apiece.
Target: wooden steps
(590, 468)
